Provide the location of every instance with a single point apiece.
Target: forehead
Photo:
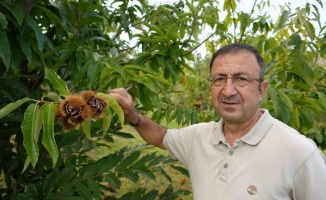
(236, 62)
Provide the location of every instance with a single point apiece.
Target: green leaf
(82, 190)
(16, 11)
(29, 128)
(107, 117)
(155, 28)
(128, 161)
(319, 137)
(48, 141)
(92, 73)
(26, 47)
(86, 125)
(12, 106)
(306, 118)
(175, 53)
(286, 99)
(5, 52)
(3, 20)
(172, 34)
(284, 18)
(182, 170)
(113, 103)
(95, 187)
(147, 173)
(321, 96)
(26, 164)
(57, 83)
(38, 32)
(132, 176)
(274, 98)
(123, 134)
(53, 96)
(191, 8)
(113, 180)
(284, 111)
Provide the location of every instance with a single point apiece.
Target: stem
(252, 11)
(233, 19)
(191, 50)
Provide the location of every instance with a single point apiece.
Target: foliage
(50, 49)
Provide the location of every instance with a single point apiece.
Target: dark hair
(237, 47)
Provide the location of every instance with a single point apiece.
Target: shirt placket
(224, 172)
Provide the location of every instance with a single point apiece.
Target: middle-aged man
(248, 154)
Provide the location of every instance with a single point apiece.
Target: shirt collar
(253, 137)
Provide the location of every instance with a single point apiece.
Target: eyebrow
(234, 74)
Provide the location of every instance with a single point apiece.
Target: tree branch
(252, 11)
(233, 19)
(190, 51)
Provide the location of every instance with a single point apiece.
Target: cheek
(215, 95)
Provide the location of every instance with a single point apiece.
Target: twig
(252, 11)
(233, 19)
(190, 51)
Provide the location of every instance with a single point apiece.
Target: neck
(233, 131)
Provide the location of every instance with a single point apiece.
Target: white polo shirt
(272, 161)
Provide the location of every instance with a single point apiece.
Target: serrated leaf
(38, 32)
(127, 161)
(48, 140)
(5, 52)
(16, 11)
(12, 106)
(29, 127)
(113, 103)
(86, 126)
(26, 46)
(57, 83)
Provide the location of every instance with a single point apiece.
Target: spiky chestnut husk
(73, 111)
(95, 103)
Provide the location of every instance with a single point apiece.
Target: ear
(262, 89)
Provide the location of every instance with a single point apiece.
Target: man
(248, 154)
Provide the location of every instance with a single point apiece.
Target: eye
(241, 78)
(219, 79)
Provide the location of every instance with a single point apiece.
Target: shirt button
(231, 153)
(226, 165)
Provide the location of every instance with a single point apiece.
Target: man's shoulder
(291, 140)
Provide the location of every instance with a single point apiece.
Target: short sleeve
(309, 182)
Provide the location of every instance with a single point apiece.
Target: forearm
(151, 132)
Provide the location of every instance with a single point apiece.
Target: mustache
(231, 99)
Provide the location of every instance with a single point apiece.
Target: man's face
(237, 104)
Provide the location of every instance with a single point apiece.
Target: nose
(229, 89)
